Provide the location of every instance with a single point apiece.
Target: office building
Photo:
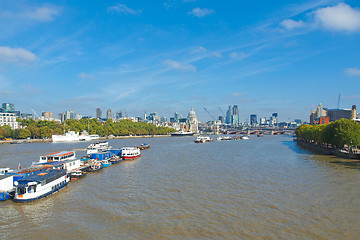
(253, 119)
(232, 115)
(98, 113)
(108, 114)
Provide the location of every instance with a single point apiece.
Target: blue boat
(106, 163)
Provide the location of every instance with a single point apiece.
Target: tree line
(335, 134)
(45, 129)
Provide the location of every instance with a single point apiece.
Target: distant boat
(70, 136)
(203, 139)
(143, 146)
(88, 137)
(181, 134)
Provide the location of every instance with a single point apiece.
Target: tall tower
(108, 114)
(192, 121)
(98, 113)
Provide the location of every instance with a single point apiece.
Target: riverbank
(327, 150)
(24, 141)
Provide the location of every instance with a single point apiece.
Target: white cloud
(236, 55)
(180, 66)
(353, 71)
(199, 50)
(217, 54)
(84, 75)
(43, 14)
(198, 12)
(122, 8)
(290, 24)
(18, 55)
(341, 17)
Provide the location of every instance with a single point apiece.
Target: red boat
(128, 153)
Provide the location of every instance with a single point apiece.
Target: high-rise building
(177, 116)
(8, 107)
(119, 115)
(98, 113)
(232, 115)
(253, 119)
(108, 114)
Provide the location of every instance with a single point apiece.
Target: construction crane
(338, 105)
(35, 113)
(222, 112)
(210, 114)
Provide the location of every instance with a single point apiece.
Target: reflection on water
(262, 188)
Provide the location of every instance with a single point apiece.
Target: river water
(262, 188)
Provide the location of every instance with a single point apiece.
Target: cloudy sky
(169, 55)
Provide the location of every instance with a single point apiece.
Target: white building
(8, 119)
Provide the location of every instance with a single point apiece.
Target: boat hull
(5, 195)
(41, 196)
(130, 157)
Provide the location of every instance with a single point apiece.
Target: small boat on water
(76, 174)
(95, 166)
(181, 134)
(143, 146)
(224, 138)
(203, 139)
(129, 153)
(40, 185)
(106, 163)
(115, 159)
(245, 137)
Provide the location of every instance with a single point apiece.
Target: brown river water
(261, 188)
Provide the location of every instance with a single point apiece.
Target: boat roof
(59, 154)
(56, 163)
(5, 176)
(42, 175)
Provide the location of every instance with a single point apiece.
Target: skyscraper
(108, 114)
(253, 119)
(232, 115)
(98, 113)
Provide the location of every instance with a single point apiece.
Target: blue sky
(169, 55)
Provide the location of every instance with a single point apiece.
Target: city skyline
(168, 56)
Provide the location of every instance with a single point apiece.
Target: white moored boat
(88, 137)
(57, 156)
(203, 139)
(40, 185)
(181, 134)
(98, 147)
(128, 153)
(70, 136)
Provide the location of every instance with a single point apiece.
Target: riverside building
(8, 119)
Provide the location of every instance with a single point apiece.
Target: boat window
(21, 190)
(32, 189)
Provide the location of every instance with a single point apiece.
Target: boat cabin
(57, 156)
